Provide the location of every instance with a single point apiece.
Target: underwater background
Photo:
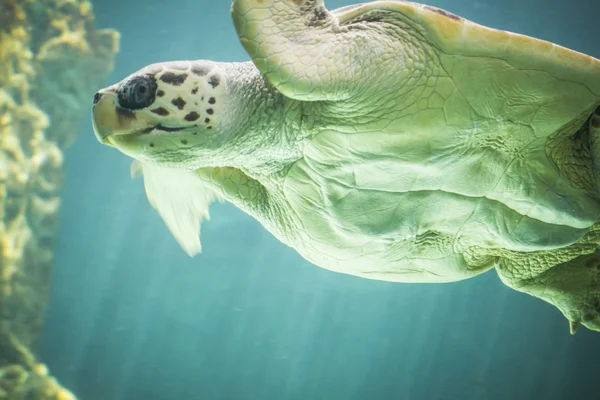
(132, 317)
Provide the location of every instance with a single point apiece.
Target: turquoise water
(133, 318)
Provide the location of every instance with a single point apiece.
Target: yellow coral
(40, 369)
(64, 394)
(47, 69)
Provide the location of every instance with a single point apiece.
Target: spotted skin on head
(164, 112)
(188, 93)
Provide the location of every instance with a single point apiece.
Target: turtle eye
(137, 92)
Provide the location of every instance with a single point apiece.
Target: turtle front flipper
(180, 198)
(300, 47)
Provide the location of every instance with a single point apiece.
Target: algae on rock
(52, 58)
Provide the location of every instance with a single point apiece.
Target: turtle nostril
(97, 97)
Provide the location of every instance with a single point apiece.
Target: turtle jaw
(137, 134)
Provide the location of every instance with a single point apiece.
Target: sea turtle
(388, 140)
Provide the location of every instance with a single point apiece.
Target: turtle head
(164, 113)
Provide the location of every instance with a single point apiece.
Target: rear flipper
(572, 285)
(593, 125)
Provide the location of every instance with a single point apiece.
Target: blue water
(133, 318)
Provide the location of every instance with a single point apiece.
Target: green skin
(355, 141)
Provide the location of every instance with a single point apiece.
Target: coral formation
(51, 59)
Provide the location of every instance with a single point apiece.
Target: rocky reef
(52, 57)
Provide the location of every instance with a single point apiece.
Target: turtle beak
(109, 119)
(104, 116)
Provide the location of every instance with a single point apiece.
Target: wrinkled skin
(389, 140)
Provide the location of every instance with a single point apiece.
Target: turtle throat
(260, 125)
